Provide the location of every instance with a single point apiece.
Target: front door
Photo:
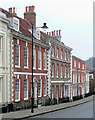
(0, 90)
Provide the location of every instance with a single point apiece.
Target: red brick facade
(25, 71)
(78, 76)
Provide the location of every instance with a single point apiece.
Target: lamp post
(32, 99)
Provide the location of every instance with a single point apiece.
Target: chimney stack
(56, 34)
(30, 15)
(12, 10)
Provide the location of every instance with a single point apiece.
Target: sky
(73, 17)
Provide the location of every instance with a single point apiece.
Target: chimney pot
(59, 32)
(52, 33)
(32, 8)
(9, 9)
(13, 9)
(29, 8)
(26, 9)
(49, 33)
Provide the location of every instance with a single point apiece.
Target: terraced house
(5, 59)
(60, 64)
(78, 76)
(51, 62)
(21, 60)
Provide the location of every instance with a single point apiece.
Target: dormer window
(16, 23)
(36, 33)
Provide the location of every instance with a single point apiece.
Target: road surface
(81, 111)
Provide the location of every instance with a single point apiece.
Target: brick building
(21, 58)
(60, 62)
(78, 76)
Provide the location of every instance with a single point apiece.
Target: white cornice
(26, 73)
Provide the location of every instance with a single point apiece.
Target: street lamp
(32, 99)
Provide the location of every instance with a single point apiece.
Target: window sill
(45, 95)
(39, 96)
(45, 69)
(17, 100)
(17, 66)
(34, 68)
(26, 68)
(39, 68)
(25, 98)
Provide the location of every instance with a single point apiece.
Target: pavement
(44, 109)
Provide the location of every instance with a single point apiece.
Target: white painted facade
(5, 87)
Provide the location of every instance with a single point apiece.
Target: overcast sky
(73, 17)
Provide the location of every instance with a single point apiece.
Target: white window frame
(68, 72)
(73, 91)
(74, 63)
(14, 18)
(82, 91)
(40, 60)
(61, 54)
(61, 70)
(52, 51)
(82, 66)
(76, 91)
(79, 91)
(79, 78)
(27, 57)
(18, 91)
(0, 83)
(57, 52)
(52, 92)
(40, 95)
(34, 58)
(45, 87)
(52, 70)
(18, 66)
(24, 89)
(61, 91)
(45, 61)
(57, 92)
(65, 91)
(76, 77)
(65, 71)
(65, 55)
(73, 78)
(78, 64)
(1, 43)
(57, 71)
(68, 56)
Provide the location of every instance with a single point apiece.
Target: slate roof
(24, 25)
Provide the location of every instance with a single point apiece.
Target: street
(81, 111)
